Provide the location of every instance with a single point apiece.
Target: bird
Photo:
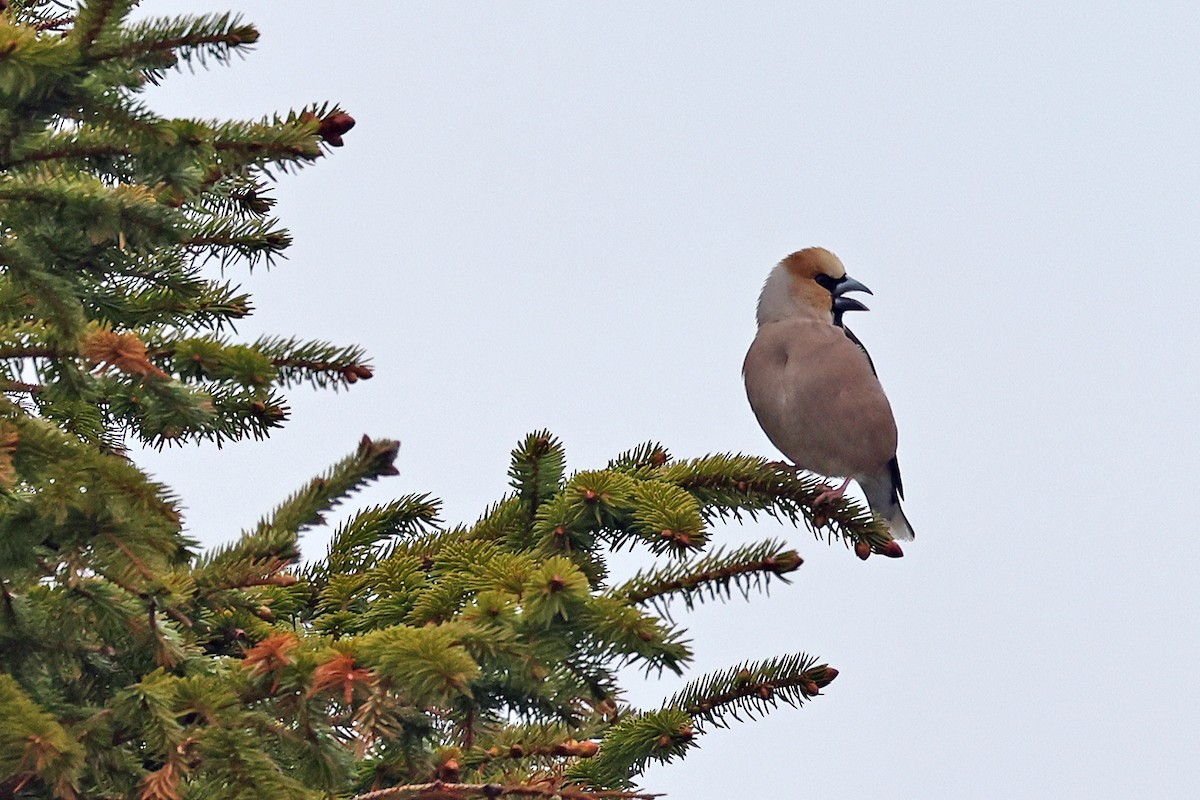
(814, 389)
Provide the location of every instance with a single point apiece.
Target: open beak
(848, 284)
(843, 304)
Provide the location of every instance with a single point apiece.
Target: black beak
(843, 304)
(848, 284)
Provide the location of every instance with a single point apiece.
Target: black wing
(837, 320)
(893, 465)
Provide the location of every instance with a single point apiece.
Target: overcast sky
(560, 215)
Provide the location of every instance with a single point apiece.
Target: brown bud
(586, 749)
(646, 636)
(827, 676)
(687, 732)
(363, 372)
(766, 692)
(664, 741)
(493, 752)
(516, 751)
(810, 688)
(658, 458)
(578, 749)
(892, 550)
(820, 521)
(590, 496)
(743, 675)
(862, 550)
(557, 584)
(786, 562)
(448, 771)
(560, 531)
(332, 127)
(742, 486)
(350, 375)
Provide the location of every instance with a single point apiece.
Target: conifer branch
(73, 150)
(358, 543)
(251, 239)
(753, 689)
(548, 742)
(371, 461)
(713, 575)
(92, 17)
(537, 469)
(54, 23)
(318, 363)
(18, 387)
(47, 751)
(195, 305)
(440, 790)
(132, 205)
(632, 743)
(30, 352)
(275, 536)
(200, 37)
(729, 486)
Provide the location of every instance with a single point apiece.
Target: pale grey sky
(560, 215)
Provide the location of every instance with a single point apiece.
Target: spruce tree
(415, 658)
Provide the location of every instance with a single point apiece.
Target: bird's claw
(828, 495)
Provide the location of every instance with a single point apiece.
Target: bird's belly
(822, 426)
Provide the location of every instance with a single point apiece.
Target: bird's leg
(829, 495)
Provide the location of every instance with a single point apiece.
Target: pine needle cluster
(414, 659)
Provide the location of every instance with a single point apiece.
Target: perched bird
(814, 388)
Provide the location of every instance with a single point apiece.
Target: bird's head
(809, 283)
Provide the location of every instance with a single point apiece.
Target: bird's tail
(883, 495)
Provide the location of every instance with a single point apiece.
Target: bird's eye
(826, 282)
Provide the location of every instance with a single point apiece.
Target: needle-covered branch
(440, 790)
(632, 744)
(275, 536)
(713, 575)
(111, 215)
(480, 635)
(752, 690)
(162, 42)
